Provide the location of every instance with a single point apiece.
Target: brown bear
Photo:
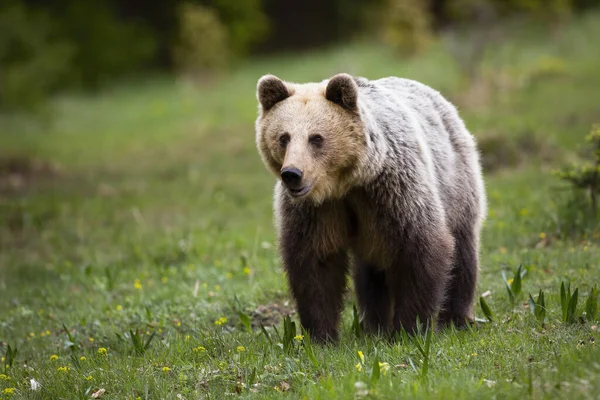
(380, 179)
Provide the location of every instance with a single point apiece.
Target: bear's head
(311, 135)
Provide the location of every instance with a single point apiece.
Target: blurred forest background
(47, 47)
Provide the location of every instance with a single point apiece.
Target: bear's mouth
(299, 192)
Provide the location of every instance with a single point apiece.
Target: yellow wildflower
(241, 349)
(166, 369)
(384, 367)
(187, 337)
(510, 281)
(474, 355)
(82, 358)
(4, 377)
(358, 367)
(92, 339)
(102, 351)
(299, 338)
(119, 307)
(361, 356)
(53, 357)
(63, 369)
(47, 333)
(89, 378)
(163, 279)
(543, 235)
(523, 212)
(137, 284)
(199, 349)
(8, 391)
(220, 321)
(247, 271)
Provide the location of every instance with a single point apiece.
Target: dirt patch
(271, 314)
(17, 173)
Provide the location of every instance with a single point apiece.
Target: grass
(139, 260)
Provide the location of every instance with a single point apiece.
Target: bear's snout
(291, 177)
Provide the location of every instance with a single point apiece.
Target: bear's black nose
(291, 177)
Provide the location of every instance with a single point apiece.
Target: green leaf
(487, 311)
(246, 321)
(516, 283)
(375, 371)
(563, 301)
(571, 310)
(591, 305)
(308, 348)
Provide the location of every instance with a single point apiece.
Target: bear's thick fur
(380, 179)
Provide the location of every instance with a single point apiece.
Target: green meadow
(138, 256)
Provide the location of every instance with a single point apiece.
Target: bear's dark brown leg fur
(318, 286)
(420, 277)
(458, 307)
(373, 297)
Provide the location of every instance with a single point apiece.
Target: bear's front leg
(311, 243)
(317, 285)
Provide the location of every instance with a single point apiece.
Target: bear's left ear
(270, 91)
(342, 90)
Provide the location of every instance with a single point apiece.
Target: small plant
(289, 333)
(538, 308)
(375, 370)
(357, 327)
(308, 348)
(568, 303)
(9, 357)
(514, 284)
(586, 176)
(487, 311)
(424, 347)
(591, 305)
(139, 346)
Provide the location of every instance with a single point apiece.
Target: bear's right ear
(270, 91)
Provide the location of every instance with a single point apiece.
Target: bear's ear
(270, 91)
(342, 90)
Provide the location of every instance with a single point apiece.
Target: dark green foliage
(139, 346)
(34, 59)
(586, 176)
(568, 303)
(357, 327)
(538, 308)
(289, 332)
(9, 357)
(591, 305)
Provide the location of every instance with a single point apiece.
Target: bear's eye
(284, 139)
(316, 140)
